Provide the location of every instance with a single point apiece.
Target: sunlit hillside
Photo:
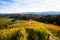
(39, 26)
(4, 19)
(51, 26)
(29, 30)
(35, 24)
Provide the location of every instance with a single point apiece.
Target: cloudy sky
(17, 6)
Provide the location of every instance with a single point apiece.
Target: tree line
(51, 19)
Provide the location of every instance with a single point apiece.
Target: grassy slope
(4, 21)
(13, 34)
(51, 26)
(34, 31)
(39, 26)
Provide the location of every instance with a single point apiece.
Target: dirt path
(29, 22)
(51, 36)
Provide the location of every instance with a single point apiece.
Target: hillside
(38, 26)
(29, 30)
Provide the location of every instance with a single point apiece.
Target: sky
(17, 6)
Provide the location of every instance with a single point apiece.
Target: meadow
(23, 30)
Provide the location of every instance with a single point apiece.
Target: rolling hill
(30, 30)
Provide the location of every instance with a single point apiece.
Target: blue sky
(17, 6)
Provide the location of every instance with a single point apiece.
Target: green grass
(5, 22)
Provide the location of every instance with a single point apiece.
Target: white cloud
(31, 6)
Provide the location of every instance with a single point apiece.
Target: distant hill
(44, 13)
(41, 13)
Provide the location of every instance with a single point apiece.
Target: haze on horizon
(18, 6)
